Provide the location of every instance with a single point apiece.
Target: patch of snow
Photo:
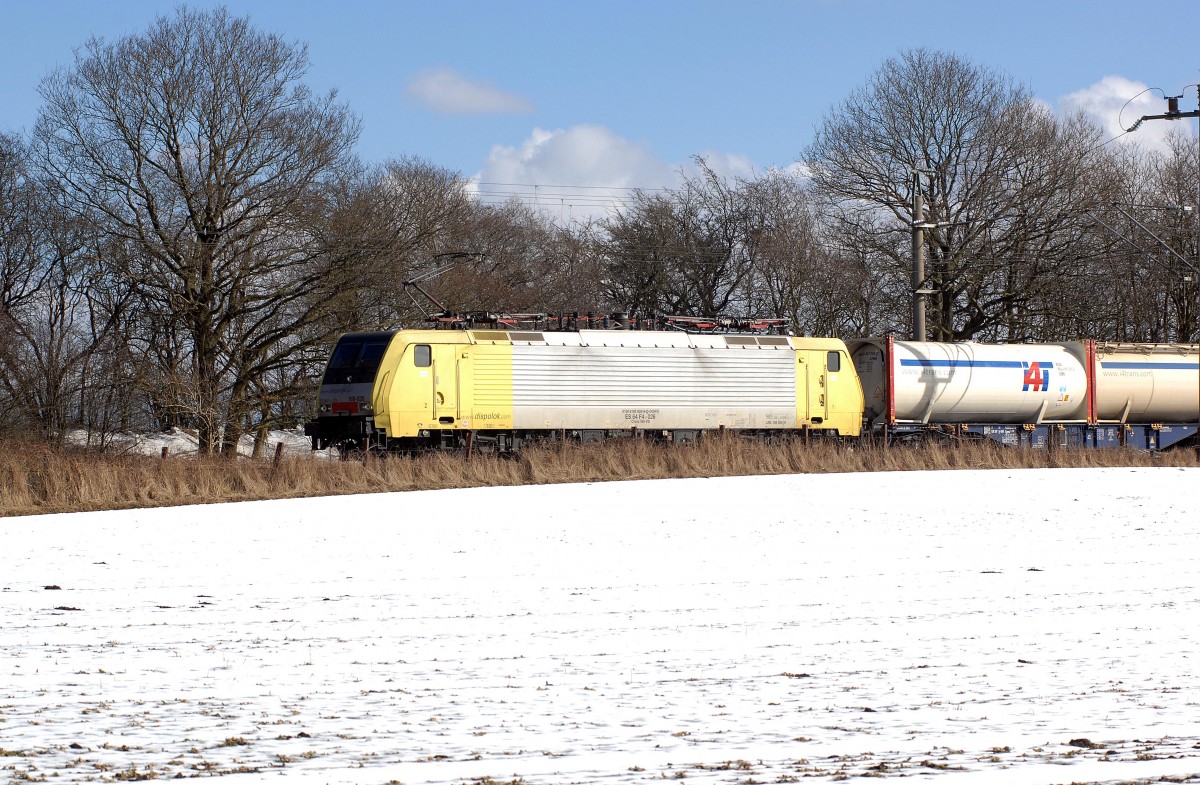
(724, 630)
(179, 441)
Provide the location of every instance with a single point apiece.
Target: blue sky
(621, 93)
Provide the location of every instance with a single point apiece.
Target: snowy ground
(964, 627)
(178, 441)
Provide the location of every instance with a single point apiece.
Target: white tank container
(1147, 383)
(973, 382)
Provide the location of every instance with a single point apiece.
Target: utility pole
(918, 258)
(919, 225)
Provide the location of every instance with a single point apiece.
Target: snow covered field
(956, 626)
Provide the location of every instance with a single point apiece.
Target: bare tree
(1137, 280)
(13, 275)
(22, 242)
(197, 142)
(55, 311)
(689, 250)
(1160, 225)
(1007, 183)
(531, 263)
(816, 280)
(388, 223)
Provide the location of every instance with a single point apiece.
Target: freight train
(500, 388)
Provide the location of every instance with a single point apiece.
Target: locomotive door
(445, 384)
(818, 387)
(801, 389)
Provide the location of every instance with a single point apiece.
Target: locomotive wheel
(359, 450)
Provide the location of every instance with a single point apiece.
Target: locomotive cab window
(345, 355)
(372, 353)
(834, 363)
(355, 360)
(422, 356)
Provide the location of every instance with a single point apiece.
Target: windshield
(356, 358)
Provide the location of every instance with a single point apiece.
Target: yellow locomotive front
(345, 401)
(393, 390)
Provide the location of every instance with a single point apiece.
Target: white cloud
(582, 171)
(447, 91)
(1115, 104)
(798, 169)
(586, 171)
(583, 154)
(730, 165)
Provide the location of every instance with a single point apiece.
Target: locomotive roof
(642, 338)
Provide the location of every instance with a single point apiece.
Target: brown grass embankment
(36, 479)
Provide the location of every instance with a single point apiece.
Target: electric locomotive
(421, 389)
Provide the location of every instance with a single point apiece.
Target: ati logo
(1037, 377)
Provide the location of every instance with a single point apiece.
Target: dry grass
(37, 479)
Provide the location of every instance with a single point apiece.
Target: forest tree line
(186, 230)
